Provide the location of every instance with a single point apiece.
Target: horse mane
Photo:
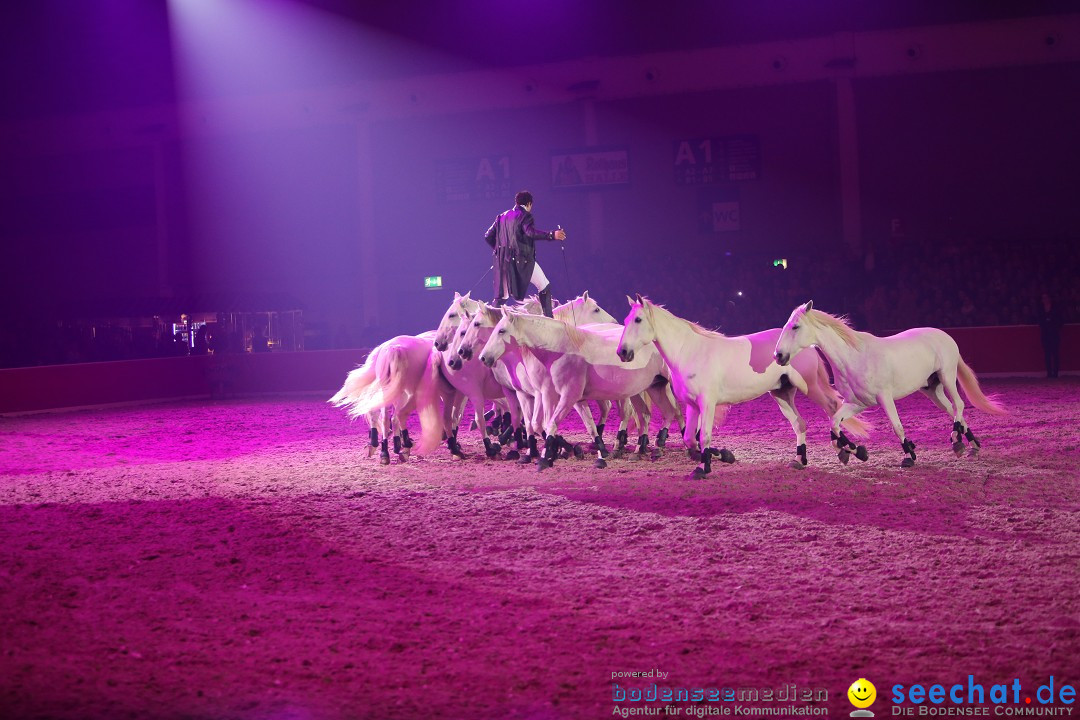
(838, 324)
(576, 336)
(699, 329)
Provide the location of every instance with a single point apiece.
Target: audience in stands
(912, 284)
(961, 285)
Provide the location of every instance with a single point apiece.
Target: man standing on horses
(513, 238)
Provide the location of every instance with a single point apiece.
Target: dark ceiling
(65, 56)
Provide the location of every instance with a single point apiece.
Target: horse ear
(466, 295)
(809, 305)
(640, 300)
(630, 301)
(585, 295)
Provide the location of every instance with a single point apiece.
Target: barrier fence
(1005, 350)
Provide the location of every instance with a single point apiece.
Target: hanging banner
(590, 168)
(483, 178)
(702, 161)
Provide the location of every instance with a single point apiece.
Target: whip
(566, 268)
(481, 278)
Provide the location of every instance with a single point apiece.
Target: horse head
(637, 328)
(796, 335)
(496, 344)
(584, 309)
(483, 319)
(461, 308)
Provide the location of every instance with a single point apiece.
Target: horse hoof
(844, 456)
(698, 473)
(542, 464)
(656, 455)
(384, 459)
(973, 452)
(600, 463)
(861, 453)
(618, 454)
(796, 465)
(958, 448)
(727, 456)
(694, 455)
(370, 451)
(513, 455)
(525, 460)
(908, 462)
(579, 452)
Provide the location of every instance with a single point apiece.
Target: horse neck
(675, 337)
(542, 334)
(834, 346)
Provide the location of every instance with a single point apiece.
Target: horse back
(922, 341)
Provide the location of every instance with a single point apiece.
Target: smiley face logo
(862, 693)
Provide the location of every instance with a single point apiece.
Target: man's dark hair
(523, 198)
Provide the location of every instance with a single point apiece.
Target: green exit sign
(433, 282)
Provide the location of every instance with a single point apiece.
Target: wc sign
(725, 215)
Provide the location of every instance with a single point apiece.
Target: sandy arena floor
(246, 559)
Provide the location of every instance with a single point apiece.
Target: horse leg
(373, 432)
(643, 410)
(570, 388)
(604, 406)
(480, 421)
(602, 452)
(840, 441)
(585, 413)
(668, 409)
(948, 381)
(705, 428)
(387, 431)
(936, 392)
(553, 442)
(690, 431)
(889, 406)
(785, 398)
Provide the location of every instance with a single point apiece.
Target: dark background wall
(985, 155)
(990, 155)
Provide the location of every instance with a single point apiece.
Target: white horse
(478, 384)
(384, 388)
(460, 309)
(873, 370)
(709, 370)
(532, 383)
(581, 364)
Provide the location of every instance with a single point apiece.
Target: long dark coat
(513, 238)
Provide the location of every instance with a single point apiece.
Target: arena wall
(1009, 350)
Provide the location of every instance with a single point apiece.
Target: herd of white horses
(532, 371)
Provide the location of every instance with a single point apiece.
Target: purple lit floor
(246, 559)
